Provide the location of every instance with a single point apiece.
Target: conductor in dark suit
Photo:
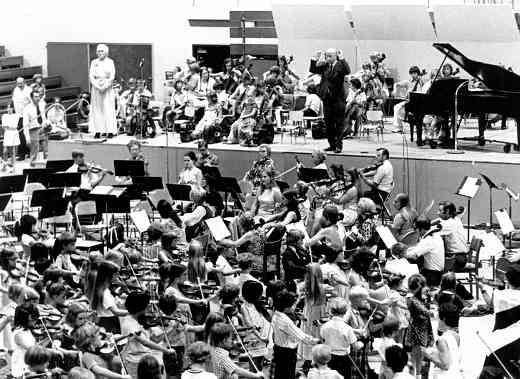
(332, 67)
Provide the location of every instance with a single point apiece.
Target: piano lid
(494, 77)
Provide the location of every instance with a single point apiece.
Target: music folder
(4, 201)
(64, 179)
(51, 201)
(108, 191)
(469, 187)
(37, 175)
(387, 236)
(12, 183)
(211, 174)
(140, 220)
(506, 225)
(59, 165)
(217, 228)
(155, 196)
(309, 175)
(179, 192)
(227, 184)
(128, 168)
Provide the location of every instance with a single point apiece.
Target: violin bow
(123, 365)
(200, 288)
(242, 345)
(133, 272)
(157, 311)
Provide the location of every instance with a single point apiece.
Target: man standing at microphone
(332, 67)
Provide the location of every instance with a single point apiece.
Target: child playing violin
(37, 359)
(199, 354)
(88, 341)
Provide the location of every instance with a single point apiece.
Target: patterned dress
(420, 332)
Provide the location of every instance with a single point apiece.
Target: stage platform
(426, 174)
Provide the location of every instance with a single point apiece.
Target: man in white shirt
(21, 96)
(382, 182)
(89, 179)
(431, 248)
(32, 121)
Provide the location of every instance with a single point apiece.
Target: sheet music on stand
(108, 191)
(140, 220)
(218, 228)
(386, 235)
(469, 187)
(506, 225)
(157, 195)
(493, 244)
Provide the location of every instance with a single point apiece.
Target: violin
(373, 167)
(96, 169)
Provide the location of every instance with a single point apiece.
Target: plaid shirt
(286, 334)
(223, 366)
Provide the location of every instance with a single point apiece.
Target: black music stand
(52, 203)
(229, 186)
(59, 165)
(309, 175)
(211, 174)
(148, 183)
(4, 201)
(12, 183)
(284, 186)
(39, 197)
(512, 195)
(492, 186)
(179, 192)
(128, 168)
(468, 188)
(63, 179)
(37, 175)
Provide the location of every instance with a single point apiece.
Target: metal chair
(295, 126)
(374, 122)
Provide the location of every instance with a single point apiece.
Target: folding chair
(374, 123)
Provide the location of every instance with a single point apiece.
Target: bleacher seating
(25, 72)
(65, 93)
(50, 82)
(11, 62)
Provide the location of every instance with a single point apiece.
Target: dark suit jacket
(332, 79)
(294, 263)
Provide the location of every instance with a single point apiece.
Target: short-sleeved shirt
(338, 335)
(90, 360)
(195, 374)
(223, 365)
(432, 248)
(134, 350)
(384, 177)
(323, 373)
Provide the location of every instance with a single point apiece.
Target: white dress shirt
(338, 335)
(384, 177)
(453, 229)
(432, 249)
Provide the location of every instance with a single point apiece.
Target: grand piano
(501, 96)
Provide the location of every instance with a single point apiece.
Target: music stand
(128, 168)
(229, 186)
(37, 175)
(512, 195)
(282, 185)
(64, 179)
(468, 188)
(59, 165)
(309, 175)
(4, 201)
(39, 197)
(179, 192)
(491, 186)
(211, 174)
(148, 183)
(12, 183)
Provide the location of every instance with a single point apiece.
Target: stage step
(25, 72)
(50, 82)
(11, 62)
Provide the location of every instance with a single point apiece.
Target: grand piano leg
(418, 121)
(481, 129)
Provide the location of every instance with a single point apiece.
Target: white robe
(102, 107)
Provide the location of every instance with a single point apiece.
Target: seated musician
(269, 197)
(56, 297)
(431, 247)
(171, 222)
(404, 219)
(134, 150)
(142, 95)
(205, 158)
(178, 100)
(453, 232)
(191, 175)
(263, 163)
(290, 212)
(26, 230)
(413, 85)
(37, 359)
(345, 192)
(312, 102)
(326, 234)
(57, 119)
(252, 240)
(363, 233)
(64, 245)
(242, 129)
(206, 83)
(356, 103)
(212, 114)
(89, 179)
(382, 182)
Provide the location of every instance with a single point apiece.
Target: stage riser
(427, 179)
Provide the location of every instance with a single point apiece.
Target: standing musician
(382, 182)
(205, 158)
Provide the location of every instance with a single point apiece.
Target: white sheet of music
(470, 187)
(218, 229)
(140, 220)
(493, 244)
(386, 235)
(506, 225)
